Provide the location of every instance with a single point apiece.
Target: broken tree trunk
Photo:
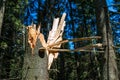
(35, 62)
(55, 35)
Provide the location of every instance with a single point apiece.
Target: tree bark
(110, 71)
(35, 66)
(112, 65)
(2, 10)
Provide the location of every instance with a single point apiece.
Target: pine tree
(110, 71)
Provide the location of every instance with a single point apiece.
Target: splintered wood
(32, 36)
(54, 41)
(55, 35)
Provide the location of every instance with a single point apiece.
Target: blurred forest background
(81, 21)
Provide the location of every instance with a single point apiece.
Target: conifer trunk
(35, 66)
(110, 71)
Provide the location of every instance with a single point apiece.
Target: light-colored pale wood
(42, 40)
(33, 34)
(55, 35)
(55, 24)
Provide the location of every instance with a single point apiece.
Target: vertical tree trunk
(2, 10)
(112, 65)
(35, 66)
(110, 71)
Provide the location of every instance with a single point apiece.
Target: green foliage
(3, 45)
(11, 43)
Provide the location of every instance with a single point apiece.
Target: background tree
(110, 71)
(11, 43)
(2, 10)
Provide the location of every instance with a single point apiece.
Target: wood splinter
(55, 35)
(32, 36)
